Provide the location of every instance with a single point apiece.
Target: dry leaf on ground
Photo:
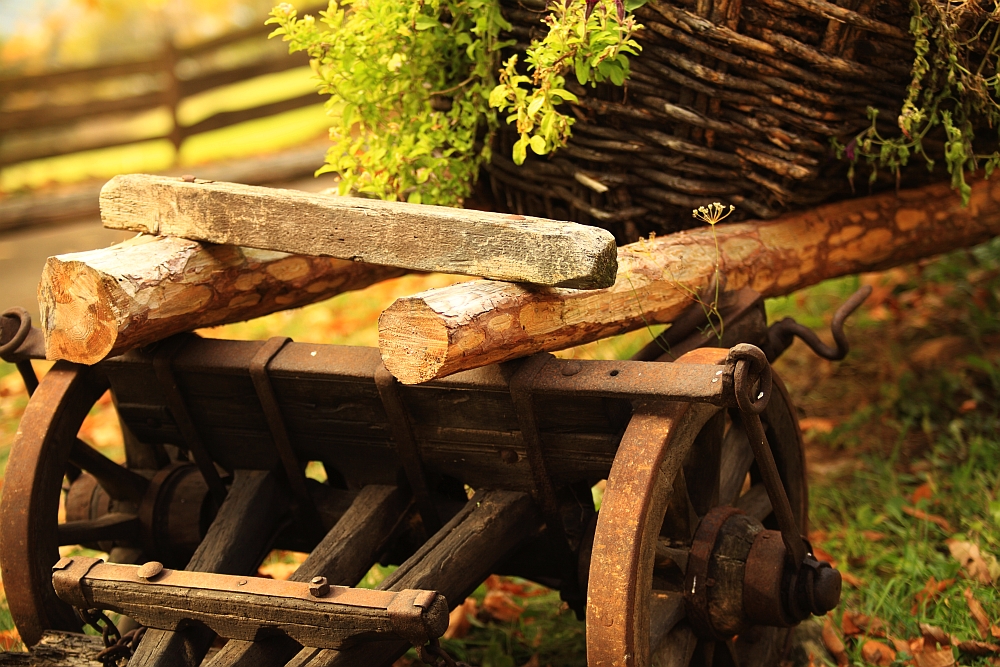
(941, 658)
(922, 492)
(872, 535)
(848, 625)
(500, 606)
(973, 562)
(833, 643)
(978, 648)
(978, 613)
(876, 653)
(932, 635)
(851, 580)
(9, 639)
(458, 619)
(931, 590)
(940, 521)
(818, 424)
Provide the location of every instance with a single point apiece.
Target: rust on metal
(279, 431)
(406, 447)
(245, 607)
(763, 580)
(521, 392)
(162, 362)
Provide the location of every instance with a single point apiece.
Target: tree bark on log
(100, 303)
(468, 325)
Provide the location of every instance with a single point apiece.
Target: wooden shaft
(101, 303)
(468, 325)
(423, 238)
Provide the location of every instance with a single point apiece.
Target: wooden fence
(45, 130)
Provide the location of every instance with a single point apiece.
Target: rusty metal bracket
(406, 447)
(522, 384)
(279, 431)
(20, 343)
(247, 608)
(162, 366)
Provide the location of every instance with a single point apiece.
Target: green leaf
(520, 150)
(535, 105)
(582, 70)
(538, 145)
(424, 22)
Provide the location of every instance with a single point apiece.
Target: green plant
(415, 85)
(955, 85)
(592, 43)
(409, 82)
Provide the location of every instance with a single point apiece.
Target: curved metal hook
(781, 335)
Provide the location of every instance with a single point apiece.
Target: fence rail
(23, 130)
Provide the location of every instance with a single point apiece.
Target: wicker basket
(730, 100)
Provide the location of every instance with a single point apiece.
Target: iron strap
(162, 366)
(279, 430)
(406, 447)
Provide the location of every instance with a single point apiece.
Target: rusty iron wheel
(676, 462)
(103, 506)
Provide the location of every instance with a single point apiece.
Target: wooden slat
(227, 118)
(211, 80)
(41, 150)
(258, 29)
(54, 115)
(67, 77)
(412, 236)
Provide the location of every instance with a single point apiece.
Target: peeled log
(100, 303)
(442, 331)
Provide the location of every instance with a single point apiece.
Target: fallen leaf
(872, 535)
(978, 613)
(877, 653)
(500, 606)
(818, 424)
(995, 631)
(824, 556)
(968, 405)
(941, 658)
(848, 625)
(277, 570)
(938, 351)
(979, 648)
(902, 645)
(934, 635)
(940, 521)
(834, 644)
(9, 639)
(458, 619)
(851, 580)
(931, 590)
(922, 492)
(973, 563)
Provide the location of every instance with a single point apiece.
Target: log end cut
(77, 311)
(413, 340)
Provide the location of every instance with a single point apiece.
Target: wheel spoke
(737, 457)
(118, 481)
(666, 609)
(755, 502)
(676, 648)
(681, 518)
(701, 470)
(115, 527)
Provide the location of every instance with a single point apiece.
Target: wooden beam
(100, 303)
(424, 238)
(439, 332)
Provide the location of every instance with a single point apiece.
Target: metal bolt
(150, 570)
(319, 587)
(572, 368)
(187, 178)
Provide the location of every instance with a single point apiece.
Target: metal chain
(434, 654)
(117, 646)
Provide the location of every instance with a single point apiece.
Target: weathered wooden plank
(468, 325)
(426, 238)
(57, 649)
(343, 557)
(236, 542)
(453, 562)
(100, 303)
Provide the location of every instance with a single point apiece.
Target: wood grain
(439, 332)
(100, 303)
(425, 238)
